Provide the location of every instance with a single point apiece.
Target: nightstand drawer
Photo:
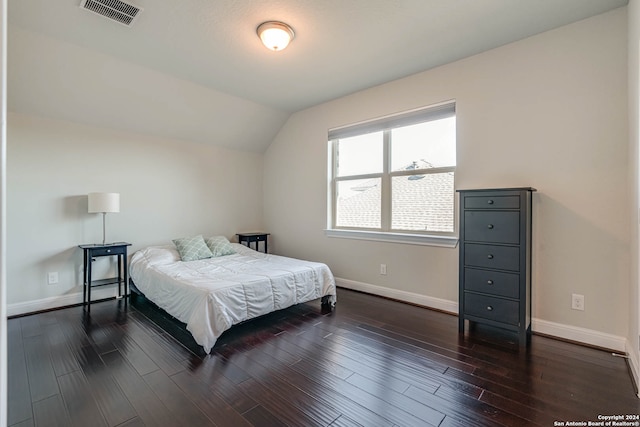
(492, 202)
(496, 309)
(492, 256)
(492, 282)
(105, 251)
(488, 226)
(252, 237)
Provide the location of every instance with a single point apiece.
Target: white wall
(634, 183)
(168, 189)
(550, 112)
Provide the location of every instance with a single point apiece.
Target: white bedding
(211, 295)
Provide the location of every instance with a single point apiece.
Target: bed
(212, 294)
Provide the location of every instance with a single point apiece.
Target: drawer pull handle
(489, 308)
(489, 282)
(490, 226)
(490, 201)
(489, 256)
(108, 250)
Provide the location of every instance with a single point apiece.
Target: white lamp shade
(104, 202)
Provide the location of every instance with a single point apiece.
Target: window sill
(411, 239)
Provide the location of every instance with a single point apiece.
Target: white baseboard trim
(558, 330)
(57, 302)
(634, 364)
(410, 297)
(582, 335)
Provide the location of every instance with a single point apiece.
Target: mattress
(213, 294)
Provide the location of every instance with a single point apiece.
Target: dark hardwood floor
(371, 362)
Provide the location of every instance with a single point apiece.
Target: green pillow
(192, 248)
(219, 246)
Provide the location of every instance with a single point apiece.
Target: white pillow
(161, 254)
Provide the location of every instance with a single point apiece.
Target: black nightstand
(92, 251)
(253, 237)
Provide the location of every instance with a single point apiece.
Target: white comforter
(213, 294)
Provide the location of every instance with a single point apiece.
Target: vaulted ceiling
(196, 70)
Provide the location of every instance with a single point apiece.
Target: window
(395, 175)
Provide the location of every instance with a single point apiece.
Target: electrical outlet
(383, 269)
(52, 277)
(577, 302)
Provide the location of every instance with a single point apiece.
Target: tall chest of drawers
(495, 259)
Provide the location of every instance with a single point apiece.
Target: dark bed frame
(175, 327)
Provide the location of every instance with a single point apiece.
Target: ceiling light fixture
(275, 35)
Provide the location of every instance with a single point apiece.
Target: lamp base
(104, 228)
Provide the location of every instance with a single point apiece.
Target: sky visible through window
(432, 142)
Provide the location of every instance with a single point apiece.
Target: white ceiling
(341, 46)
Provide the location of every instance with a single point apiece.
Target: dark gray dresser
(495, 259)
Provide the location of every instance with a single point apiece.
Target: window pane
(360, 155)
(358, 203)
(425, 145)
(422, 202)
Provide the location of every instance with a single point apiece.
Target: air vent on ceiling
(116, 10)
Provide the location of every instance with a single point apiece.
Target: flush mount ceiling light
(275, 35)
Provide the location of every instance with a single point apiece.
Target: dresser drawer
(491, 202)
(492, 282)
(497, 309)
(488, 226)
(492, 256)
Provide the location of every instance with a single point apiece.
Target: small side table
(255, 238)
(92, 251)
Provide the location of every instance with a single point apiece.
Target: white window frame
(386, 233)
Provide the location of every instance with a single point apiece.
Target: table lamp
(104, 203)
